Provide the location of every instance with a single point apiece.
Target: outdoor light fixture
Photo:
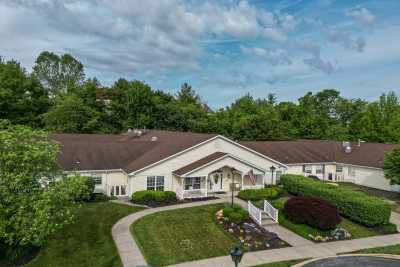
(272, 168)
(236, 255)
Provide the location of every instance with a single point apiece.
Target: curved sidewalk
(128, 250)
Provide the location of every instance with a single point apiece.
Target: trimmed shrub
(279, 203)
(315, 212)
(149, 196)
(357, 206)
(389, 228)
(259, 194)
(235, 214)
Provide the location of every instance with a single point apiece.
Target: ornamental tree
(34, 200)
(391, 166)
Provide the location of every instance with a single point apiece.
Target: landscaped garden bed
(155, 199)
(346, 229)
(235, 220)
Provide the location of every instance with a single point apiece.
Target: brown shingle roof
(105, 152)
(313, 151)
(198, 163)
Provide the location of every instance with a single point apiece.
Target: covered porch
(218, 174)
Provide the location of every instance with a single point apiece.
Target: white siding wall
(109, 179)
(363, 175)
(138, 181)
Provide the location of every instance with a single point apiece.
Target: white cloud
(127, 37)
(346, 40)
(363, 15)
(274, 57)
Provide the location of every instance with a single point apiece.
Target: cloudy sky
(224, 49)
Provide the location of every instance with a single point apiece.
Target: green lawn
(281, 263)
(394, 249)
(87, 242)
(182, 235)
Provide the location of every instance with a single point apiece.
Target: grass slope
(394, 249)
(181, 235)
(87, 242)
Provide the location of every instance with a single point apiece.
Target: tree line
(57, 97)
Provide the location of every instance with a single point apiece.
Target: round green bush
(227, 211)
(272, 192)
(170, 196)
(236, 217)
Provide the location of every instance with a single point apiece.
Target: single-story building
(195, 164)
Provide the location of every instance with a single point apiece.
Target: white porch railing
(254, 212)
(193, 193)
(271, 211)
(256, 186)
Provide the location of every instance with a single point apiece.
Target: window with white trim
(339, 168)
(97, 180)
(192, 183)
(155, 183)
(307, 168)
(319, 169)
(278, 176)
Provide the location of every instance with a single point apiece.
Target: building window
(278, 176)
(307, 168)
(319, 169)
(97, 180)
(155, 183)
(351, 171)
(192, 183)
(339, 168)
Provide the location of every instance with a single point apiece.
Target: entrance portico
(218, 172)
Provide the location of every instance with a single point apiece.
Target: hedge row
(260, 194)
(357, 206)
(147, 196)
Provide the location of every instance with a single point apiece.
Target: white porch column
(206, 185)
(263, 180)
(241, 174)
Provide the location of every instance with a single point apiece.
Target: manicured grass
(181, 235)
(281, 263)
(87, 242)
(395, 249)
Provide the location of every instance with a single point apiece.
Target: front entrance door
(216, 182)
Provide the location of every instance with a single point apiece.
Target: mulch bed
(155, 204)
(252, 236)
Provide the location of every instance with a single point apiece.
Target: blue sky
(224, 49)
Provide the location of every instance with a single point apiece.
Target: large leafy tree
(70, 114)
(58, 74)
(22, 98)
(33, 202)
(391, 166)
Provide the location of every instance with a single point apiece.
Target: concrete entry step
(267, 221)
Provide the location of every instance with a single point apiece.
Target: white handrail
(271, 211)
(255, 213)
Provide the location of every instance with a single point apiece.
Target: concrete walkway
(301, 248)
(300, 252)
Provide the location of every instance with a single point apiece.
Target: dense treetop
(56, 97)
